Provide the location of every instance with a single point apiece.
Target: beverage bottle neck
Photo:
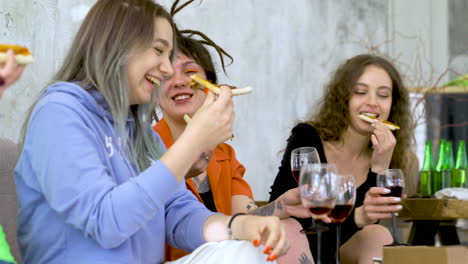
(441, 156)
(448, 162)
(428, 164)
(461, 162)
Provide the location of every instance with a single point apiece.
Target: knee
(376, 235)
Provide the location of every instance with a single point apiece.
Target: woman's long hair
(332, 118)
(98, 58)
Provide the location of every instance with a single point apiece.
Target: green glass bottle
(425, 175)
(448, 165)
(437, 175)
(461, 167)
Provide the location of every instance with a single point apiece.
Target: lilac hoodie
(82, 201)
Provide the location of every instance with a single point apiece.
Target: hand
(10, 71)
(376, 206)
(212, 123)
(383, 142)
(266, 230)
(200, 165)
(289, 204)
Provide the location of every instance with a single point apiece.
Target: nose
(372, 99)
(166, 67)
(180, 80)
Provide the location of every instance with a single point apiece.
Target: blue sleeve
(72, 174)
(185, 216)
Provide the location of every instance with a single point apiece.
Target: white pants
(226, 252)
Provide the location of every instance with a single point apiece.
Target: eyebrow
(163, 41)
(367, 86)
(189, 62)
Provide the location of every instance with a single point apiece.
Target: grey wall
(285, 50)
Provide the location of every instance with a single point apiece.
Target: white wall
(285, 50)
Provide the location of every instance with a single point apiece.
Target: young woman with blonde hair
(95, 183)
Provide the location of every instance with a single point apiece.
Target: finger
(17, 73)
(10, 64)
(225, 96)
(382, 208)
(377, 191)
(375, 141)
(327, 219)
(382, 200)
(281, 247)
(210, 98)
(274, 236)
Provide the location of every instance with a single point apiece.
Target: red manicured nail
(256, 242)
(206, 90)
(272, 257)
(267, 250)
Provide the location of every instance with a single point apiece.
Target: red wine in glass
(320, 210)
(395, 191)
(341, 212)
(295, 174)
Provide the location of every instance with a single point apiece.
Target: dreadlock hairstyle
(98, 58)
(196, 49)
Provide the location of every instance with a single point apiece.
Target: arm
(288, 204)
(210, 126)
(79, 183)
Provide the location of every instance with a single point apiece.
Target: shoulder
(224, 151)
(304, 131)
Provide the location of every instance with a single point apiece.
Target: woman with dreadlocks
(216, 178)
(96, 184)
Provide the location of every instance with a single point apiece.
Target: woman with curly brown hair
(369, 85)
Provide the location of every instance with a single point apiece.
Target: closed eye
(158, 51)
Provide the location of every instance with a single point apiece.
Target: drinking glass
(318, 189)
(392, 179)
(300, 157)
(343, 206)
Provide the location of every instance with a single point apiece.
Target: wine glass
(392, 179)
(343, 206)
(300, 157)
(318, 189)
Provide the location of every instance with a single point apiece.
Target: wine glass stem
(338, 236)
(394, 229)
(318, 223)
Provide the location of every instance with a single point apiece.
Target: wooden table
(431, 216)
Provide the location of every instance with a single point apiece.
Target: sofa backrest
(9, 154)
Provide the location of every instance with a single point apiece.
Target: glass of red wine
(392, 179)
(300, 157)
(318, 189)
(343, 206)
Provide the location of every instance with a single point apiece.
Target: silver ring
(205, 156)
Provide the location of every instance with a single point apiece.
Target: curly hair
(332, 118)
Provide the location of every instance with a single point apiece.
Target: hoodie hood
(90, 98)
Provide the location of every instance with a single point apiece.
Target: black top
(208, 200)
(304, 135)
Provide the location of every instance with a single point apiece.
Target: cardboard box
(425, 255)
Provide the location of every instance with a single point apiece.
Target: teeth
(152, 80)
(181, 97)
(369, 114)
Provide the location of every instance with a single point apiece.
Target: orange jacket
(225, 174)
